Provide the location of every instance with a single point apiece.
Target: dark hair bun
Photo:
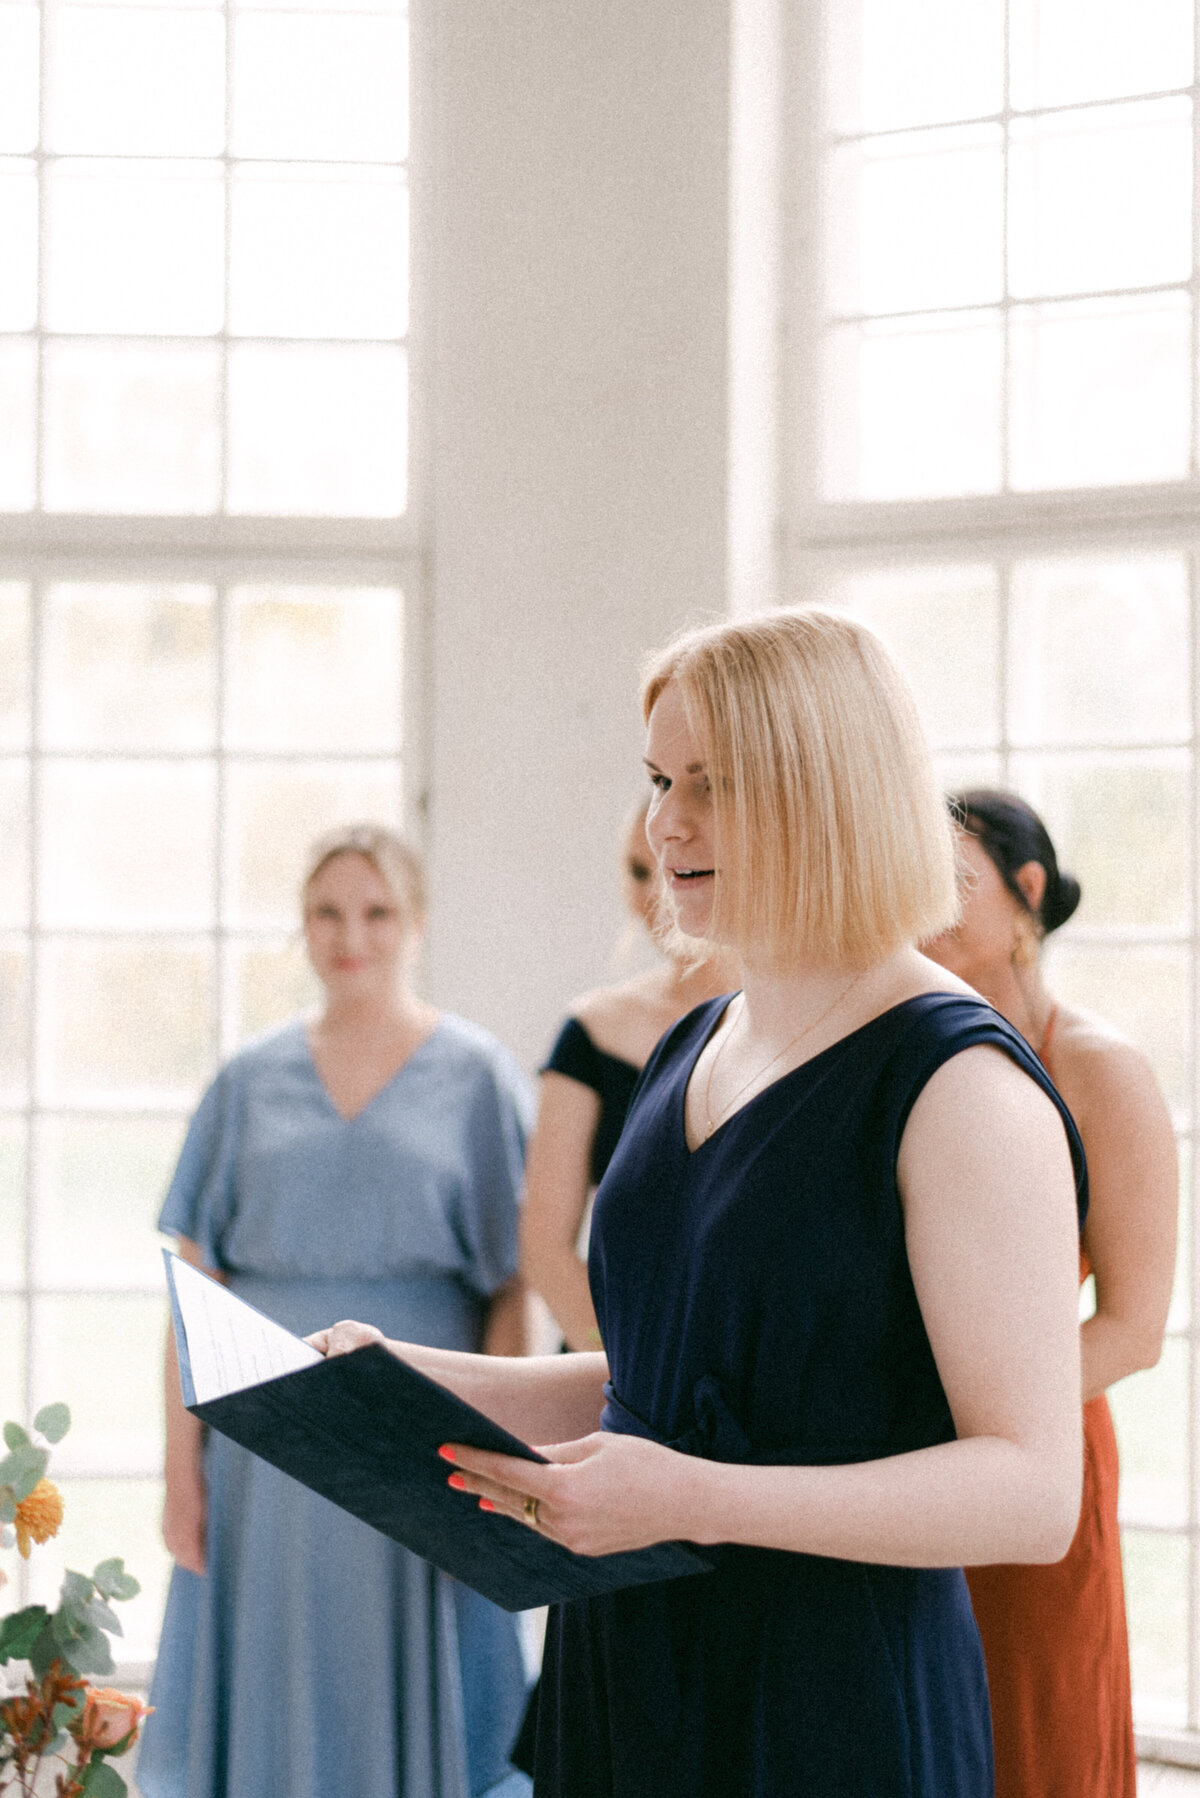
(1012, 834)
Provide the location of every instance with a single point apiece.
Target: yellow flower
(38, 1516)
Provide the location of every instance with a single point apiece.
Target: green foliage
(112, 1579)
(20, 1630)
(15, 1436)
(22, 1468)
(53, 1422)
(99, 1780)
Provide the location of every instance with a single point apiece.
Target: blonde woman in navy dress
(833, 1262)
(368, 1158)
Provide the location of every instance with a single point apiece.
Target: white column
(577, 226)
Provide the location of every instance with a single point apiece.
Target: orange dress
(1057, 1650)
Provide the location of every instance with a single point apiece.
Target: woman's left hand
(603, 1494)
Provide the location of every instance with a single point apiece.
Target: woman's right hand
(343, 1338)
(185, 1520)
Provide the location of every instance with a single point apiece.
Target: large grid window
(207, 589)
(993, 449)
(204, 295)
(169, 749)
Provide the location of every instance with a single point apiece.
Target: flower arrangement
(52, 1713)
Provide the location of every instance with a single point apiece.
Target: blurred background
(378, 386)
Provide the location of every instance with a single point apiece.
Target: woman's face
(679, 824)
(359, 938)
(981, 944)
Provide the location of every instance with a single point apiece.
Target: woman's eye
(660, 783)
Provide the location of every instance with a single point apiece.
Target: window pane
(955, 772)
(128, 665)
(1121, 825)
(126, 1023)
(319, 253)
(132, 427)
(136, 247)
(102, 1355)
(332, 88)
(18, 234)
(1127, 47)
(1143, 991)
(12, 1363)
(275, 812)
(1150, 1411)
(915, 64)
(14, 664)
(314, 668)
(1100, 392)
(318, 430)
(12, 1216)
(269, 983)
(102, 1519)
(14, 835)
(127, 844)
(144, 82)
(101, 1183)
(914, 410)
(943, 626)
(1101, 199)
(14, 1020)
(1098, 651)
(1156, 1588)
(18, 389)
(19, 28)
(923, 218)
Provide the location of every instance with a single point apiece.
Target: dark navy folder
(363, 1430)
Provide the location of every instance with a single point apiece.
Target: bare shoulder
(625, 1019)
(1100, 1073)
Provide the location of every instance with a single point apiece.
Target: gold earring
(1026, 940)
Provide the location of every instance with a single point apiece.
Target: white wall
(576, 229)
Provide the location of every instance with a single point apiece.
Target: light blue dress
(316, 1657)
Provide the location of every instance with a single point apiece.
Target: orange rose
(108, 1719)
(38, 1516)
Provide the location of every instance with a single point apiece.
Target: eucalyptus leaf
(76, 1594)
(20, 1630)
(45, 1651)
(22, 1469)
(8, 1505)
(15, 1436)
(53, 1422)
(67, 1711)
(112, 1579)
(88, 1651)
(102, 1781)
(104, 1617)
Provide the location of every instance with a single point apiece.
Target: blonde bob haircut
(395, 861)
(832, 841)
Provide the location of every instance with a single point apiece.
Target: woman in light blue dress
(363, 1164)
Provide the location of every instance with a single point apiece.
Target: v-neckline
(772, 1085)
(352, 1117)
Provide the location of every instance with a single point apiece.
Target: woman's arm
(541, 1398)
(506, 1329)
(1131, 1223)
(185, 1509)
(993, 1247)
(557, 1183)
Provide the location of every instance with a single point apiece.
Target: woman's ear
(1031, 878)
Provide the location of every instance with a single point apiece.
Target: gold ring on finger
(531, 1512)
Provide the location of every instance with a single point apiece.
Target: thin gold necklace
(730, 1106)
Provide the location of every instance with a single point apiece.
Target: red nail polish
(456, 1480)
(485, 1504)
(447, 1453)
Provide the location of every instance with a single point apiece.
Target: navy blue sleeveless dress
(756, 1305)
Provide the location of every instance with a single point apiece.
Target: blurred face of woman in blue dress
(360, 939)
(679, 824)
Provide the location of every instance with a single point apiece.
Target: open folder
(363, 1430)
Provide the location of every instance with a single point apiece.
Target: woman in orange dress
(1054, 1636)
